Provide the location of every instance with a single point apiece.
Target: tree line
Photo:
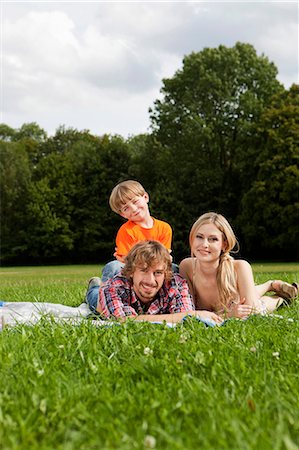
(224, 137)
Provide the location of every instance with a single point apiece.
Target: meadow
(145, 386)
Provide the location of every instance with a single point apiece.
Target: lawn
(143, 386)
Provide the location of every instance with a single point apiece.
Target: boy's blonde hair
(226, 277)
(124, 192)
(147, 254)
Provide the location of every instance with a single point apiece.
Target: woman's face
(208, 243)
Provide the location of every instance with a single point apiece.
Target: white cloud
(42, 41)
(145, 20)
(99, 66)
(281, 44)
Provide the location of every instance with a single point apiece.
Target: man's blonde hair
(147, 254)
(124, 192)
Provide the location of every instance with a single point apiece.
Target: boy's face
(136, 209)
(147, 281)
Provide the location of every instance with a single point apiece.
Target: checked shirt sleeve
(181, 300)
(115, 299)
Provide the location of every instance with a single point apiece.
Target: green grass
(141, 386)
(55, 284)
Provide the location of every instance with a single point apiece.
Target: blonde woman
(221, 284)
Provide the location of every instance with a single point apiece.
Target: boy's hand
(170, 255)
(118, 257)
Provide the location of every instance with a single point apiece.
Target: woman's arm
(246, 288)
(245, 282)
(185, 269)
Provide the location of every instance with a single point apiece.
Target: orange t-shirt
(130, 233)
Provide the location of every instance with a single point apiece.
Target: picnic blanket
(15, 313)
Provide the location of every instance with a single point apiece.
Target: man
(146, 289)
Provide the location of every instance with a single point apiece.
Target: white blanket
(14, 313)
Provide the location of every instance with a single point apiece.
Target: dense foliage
(224, 137)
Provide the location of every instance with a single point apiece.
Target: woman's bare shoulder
(186, 266)
(187, 262)
(241, 265)
(186, 269)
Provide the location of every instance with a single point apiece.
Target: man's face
(147, 281)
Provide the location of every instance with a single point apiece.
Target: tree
(204, 123)
(49, 211)
(97, 167)
(54, 194)
(68, 208)
(7, 133)
(15, 179)
(270, 214)
(30, 131)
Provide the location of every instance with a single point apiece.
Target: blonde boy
(130, 200)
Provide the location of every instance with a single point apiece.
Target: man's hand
(209, 315)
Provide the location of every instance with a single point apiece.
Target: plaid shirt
(118, 299)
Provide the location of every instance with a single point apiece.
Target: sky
(99, 65)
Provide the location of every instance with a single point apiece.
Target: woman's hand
(240, 310)
(209, 315)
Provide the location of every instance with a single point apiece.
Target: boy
(130, 200)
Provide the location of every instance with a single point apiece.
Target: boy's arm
(124, 243)
(166, 236)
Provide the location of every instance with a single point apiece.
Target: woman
(221, 284)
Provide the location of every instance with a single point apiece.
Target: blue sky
(99, 65)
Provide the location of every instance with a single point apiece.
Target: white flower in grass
(149, 441)
(253, 349)
(43, 406)
(275, 355)
(183, 339)
(148, 351)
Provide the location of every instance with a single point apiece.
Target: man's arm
(178, 317)
(170, 318)
(181, 300)
(114, 299)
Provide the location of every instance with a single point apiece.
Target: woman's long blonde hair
(226, 276)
